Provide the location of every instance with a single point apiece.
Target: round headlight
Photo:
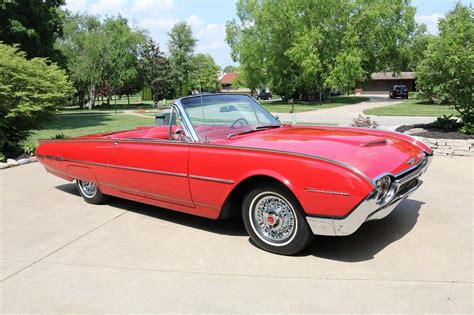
(383, 185)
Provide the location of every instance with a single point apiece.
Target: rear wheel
(274, 220)
(90, 192)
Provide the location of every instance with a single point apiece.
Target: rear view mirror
(229, 108)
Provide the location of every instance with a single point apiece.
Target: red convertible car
(223, 155)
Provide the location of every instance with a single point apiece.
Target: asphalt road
(60, 254)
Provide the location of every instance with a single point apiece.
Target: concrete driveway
(60, 254)
(343, 115)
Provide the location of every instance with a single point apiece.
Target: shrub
(446, 123)
(30, 91)
(364, 122)
(29, 147)
(467, 129)
(59, 136)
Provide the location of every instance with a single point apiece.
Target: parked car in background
(264, 95)
(399, 91)
(224, 155)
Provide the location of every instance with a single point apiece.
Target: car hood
(371, 152)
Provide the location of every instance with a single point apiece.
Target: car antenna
(202, 111)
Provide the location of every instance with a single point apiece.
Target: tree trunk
(90, 104)
(155, 100)
(81, 99)
(128, 99)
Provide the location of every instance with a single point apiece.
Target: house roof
(228, 78)
(390, 76)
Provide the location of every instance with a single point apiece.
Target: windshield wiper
(258, 128)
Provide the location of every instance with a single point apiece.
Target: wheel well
(232, 207)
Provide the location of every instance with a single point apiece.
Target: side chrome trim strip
(341, 164)
(344, 165)
(314, 190)
(145, 170)
(212, 179)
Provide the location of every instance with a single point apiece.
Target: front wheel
(274, 220)
(90, 192)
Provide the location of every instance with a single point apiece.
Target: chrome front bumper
(406, 183)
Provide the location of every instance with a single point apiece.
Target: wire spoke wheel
(273, 219)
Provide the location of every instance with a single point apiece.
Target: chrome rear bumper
(406, 183)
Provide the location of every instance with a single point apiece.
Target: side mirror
(178, 134)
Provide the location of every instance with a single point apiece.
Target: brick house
(382, 82)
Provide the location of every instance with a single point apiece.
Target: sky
(208, 17)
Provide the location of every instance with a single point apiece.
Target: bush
(364, 122)
(447, 123)
(29, 147)
(467, 129)
(30, 91)
(59, 136)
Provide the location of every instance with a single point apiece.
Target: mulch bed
(432, 131)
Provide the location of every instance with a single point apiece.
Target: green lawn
(412, 107)
(72, 125)
(282, 107)
(116, 104)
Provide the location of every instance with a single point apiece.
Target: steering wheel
(242, 121)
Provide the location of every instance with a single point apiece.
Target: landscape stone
(24, 161)
(12, 162)
(4, 165)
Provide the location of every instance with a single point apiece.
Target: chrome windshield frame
(187, 121)
(188, 126)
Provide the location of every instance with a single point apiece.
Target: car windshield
(224, 116)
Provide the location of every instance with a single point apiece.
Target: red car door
(153, 169)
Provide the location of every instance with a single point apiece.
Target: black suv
(264, 95)
(399, 91)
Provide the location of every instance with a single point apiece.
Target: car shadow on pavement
(232, 227)
(371, 238)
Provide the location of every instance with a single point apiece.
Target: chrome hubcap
(273, 219)
(88, 189)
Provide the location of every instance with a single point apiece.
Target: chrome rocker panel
(369, 209)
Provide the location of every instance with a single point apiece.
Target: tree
(181, 47)
(102, 57)
(231, 68)
(121, 48)
(414, 51)
(81, 46)
(205, 74)
(30, 91)
(301, 48)
(447, 70)
(157, 72)
(33, 25)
